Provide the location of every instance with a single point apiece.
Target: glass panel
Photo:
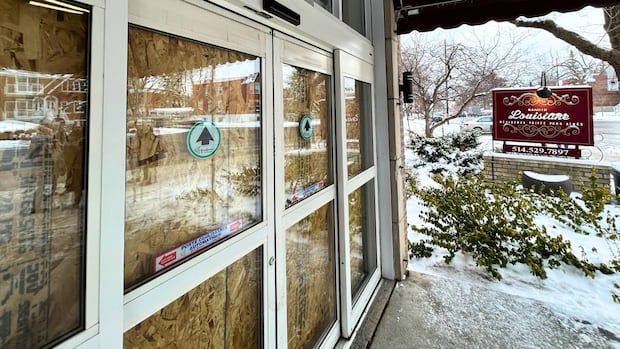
(359, 126)
(223, 312)
(353, 14)
(362, 236)
(193, 173)
(326, 4)
(310, 276)
(307, 141)
(43, 127)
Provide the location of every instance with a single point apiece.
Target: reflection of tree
(356, 238)
(246, 181)
(306, 162)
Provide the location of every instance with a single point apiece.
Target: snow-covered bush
(452, 153)
(496, 225)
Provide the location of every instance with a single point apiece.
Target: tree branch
(572, 38)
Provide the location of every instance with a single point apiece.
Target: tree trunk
(428, 131)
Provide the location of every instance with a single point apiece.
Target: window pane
(43, 127)
(359, 126)
(222, 312)
(353, 14)
(326, 4)
(362, 236)
(306, 133)
(193, 173)
(310, 276)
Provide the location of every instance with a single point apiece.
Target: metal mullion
(188, 265)
(95, 142)
(280, 232)
(361, 179)
(343, 207)
(268, 165)
(139, 309)
(112, 238)
(302, 210)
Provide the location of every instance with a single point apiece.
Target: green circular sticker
(305, 127)
(203, 139)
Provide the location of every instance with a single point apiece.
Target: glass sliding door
(358, 234)
(306, 222)
(198, 180)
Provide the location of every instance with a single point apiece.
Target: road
(606, 142)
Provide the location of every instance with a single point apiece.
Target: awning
(427, 15)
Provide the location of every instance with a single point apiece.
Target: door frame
(205, 25)
(349, 66)
(288, 50)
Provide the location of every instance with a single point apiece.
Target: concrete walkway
(432, 312)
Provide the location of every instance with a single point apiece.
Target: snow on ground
(566, 291)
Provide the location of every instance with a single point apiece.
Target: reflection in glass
(358, 126)
(307, 144)
(310, 278)
(326, 4)
(362, 236)
(177, 203)
(223, 312)
(43, 125)
(353, 13)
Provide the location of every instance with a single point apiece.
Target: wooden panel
(310, 277)
(223, 312)
(171, 196)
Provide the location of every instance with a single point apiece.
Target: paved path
(432, 312)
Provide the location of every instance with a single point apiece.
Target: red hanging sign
(564, 118)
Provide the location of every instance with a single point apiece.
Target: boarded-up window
(307, 141)
(193, 173)
(310, 278)
(362, 236)
(43, 127)
(222, 313)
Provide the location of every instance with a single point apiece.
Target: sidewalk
(433, 312)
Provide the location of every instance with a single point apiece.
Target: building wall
(601, 94)
(504, 168)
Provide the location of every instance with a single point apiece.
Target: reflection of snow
(301, 152)
(314, 122)
(161, 131)
(10, 144)
(16, 126)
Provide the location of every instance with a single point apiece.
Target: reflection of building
(33, 96)
(228, 95)
(605, 89)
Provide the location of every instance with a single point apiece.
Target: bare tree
(445, 72)
(612, 28)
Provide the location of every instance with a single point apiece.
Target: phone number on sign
(542, 151)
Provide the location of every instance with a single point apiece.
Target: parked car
(481, 124)
(436, 116)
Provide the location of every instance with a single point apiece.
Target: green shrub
(492, 223)
(458, 150)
